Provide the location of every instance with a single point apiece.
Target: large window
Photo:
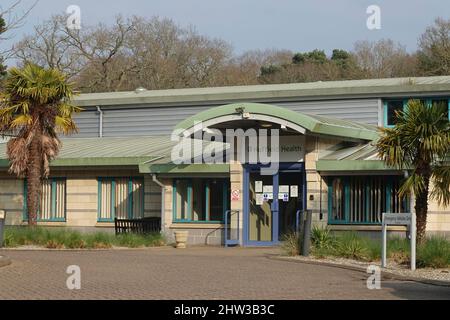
(363, 199)
(121, 198)
(391, 107)
(200, 200)
(52, 204)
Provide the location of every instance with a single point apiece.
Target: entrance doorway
(271, 203)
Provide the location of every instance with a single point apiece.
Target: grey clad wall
(140, 120)
(359, 110)
(88, 124)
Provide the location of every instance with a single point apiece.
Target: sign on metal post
(399, 219)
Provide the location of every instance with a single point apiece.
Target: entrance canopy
(299, 122)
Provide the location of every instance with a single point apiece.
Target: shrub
(350, 245)
(322, 238)
(290, 244)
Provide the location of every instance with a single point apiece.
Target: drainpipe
(163, 201)
(100, 122)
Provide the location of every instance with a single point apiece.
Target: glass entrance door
(262, 209)
(290, 199)
(271, 203)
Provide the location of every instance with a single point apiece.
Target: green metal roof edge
(340, 131)
(352, 165)
(91, 162)
(278, 91)
(190, 168)
(301, 119)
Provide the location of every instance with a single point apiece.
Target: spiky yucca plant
(420, 143)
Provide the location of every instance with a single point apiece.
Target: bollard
(2, 225)
(306, 245)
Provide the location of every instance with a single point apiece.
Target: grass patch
(60, 238)
(434, 253)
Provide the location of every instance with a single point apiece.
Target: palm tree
(420, 144)
(34, 105)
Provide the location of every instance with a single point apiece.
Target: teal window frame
(346, 181)
(427, 100)
(53, 204)
(189, 214)
(113, 198)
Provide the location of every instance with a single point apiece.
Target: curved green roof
(312, 123)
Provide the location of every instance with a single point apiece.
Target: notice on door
(258, 186)
(284, 189)
(259, 199)
(294, 191)
(268, 189)
(267, 196)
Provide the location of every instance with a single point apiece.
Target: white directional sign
(399, 219)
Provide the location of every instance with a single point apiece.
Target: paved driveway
(197, 273)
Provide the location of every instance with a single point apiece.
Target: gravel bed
(392, 267)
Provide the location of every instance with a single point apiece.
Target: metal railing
(140, 226)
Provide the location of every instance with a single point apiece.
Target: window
(442, 104)
(200, 200)
(363, 199)
(121, 198)
(338, 199)
(52, 205)
(392, 107)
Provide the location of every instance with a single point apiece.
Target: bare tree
(434, 44)
(383, 59)
(9, 21)
(102, 47)
(49, 46)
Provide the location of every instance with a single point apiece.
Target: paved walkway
(197, 273)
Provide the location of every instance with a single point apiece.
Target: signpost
(2, 224)
(399, 219)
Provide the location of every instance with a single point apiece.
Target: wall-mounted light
(2, 214)
(266, 125)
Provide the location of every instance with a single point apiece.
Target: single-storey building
(125, 162)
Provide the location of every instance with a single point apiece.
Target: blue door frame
(299, 167)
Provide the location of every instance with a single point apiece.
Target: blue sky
(298, 25)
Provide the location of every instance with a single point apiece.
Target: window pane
(392, 108)
(357, 200)
(398, 204)
(138, 196)
(441, 104)
(182, 205)
(198, 203)
(45, 207)
(105, 205)
(60, 205)
(377, 199)
(338, 200)
(217, 206)
(121, 199)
